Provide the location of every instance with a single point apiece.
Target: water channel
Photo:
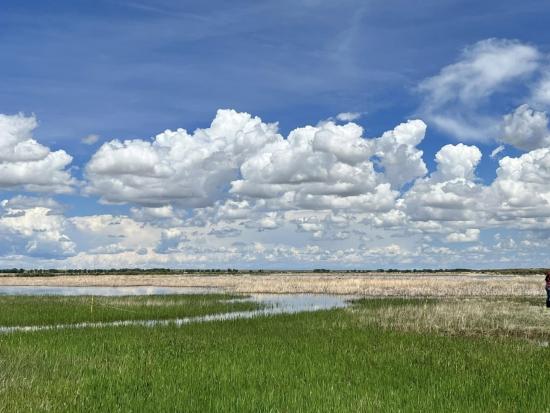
(271, 304)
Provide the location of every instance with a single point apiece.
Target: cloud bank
(239, 193)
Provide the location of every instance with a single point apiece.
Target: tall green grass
(309, 362)
(47, 310)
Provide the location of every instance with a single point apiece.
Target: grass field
(379, 355)
(47, 310)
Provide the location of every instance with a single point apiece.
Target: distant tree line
(217, 271)
(115, 271)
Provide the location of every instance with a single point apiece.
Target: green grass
(47, 310)
(310, 362)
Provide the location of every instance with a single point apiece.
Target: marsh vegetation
(47, 310)
(376, 284)
(472, 355)
(475, 317)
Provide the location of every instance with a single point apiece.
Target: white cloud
(176, 167)
(232, 210)
(271, 220)
(452, 200)
(115, 248)
(348, 116)
(332, 167)
(324, 183)
(163, 212)
(321, 224)
(102, 230)
(90, 139)
(395, 218)
(526, 129)
(401, 159)
(522, 185)
(22, 202)
(470, 235)
(34, 230)
(457, 161)
(452, 98)
(541, 90)
(496, 151)
(238, 193)
(27, 164)
(316, 167)
(450, 196)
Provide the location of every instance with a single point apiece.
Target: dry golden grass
(453, 316)
(377, 285)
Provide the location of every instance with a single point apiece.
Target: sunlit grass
(329, 361)
(47, 310)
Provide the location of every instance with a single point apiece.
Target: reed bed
(400, 285)
(496, 317)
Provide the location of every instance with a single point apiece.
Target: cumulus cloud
(171, 240)
(450, 197)
(22, 203)
(34, 227)
(452, 200)
(241, 158)
(269, 221)
(164, 216)
(316, 167)
(239, 192)
(398, 153)
(521, 188)
(191, 170)
(470, 235)
(526, 129)
(457, 161)
(27, 164)
(115, 248)
(102, 230)
(332, 167)
(453, 98)
(324, 183)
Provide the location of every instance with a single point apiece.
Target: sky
(274, 134)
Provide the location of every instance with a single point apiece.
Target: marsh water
(271, 304)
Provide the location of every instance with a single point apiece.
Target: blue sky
(131, 70)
